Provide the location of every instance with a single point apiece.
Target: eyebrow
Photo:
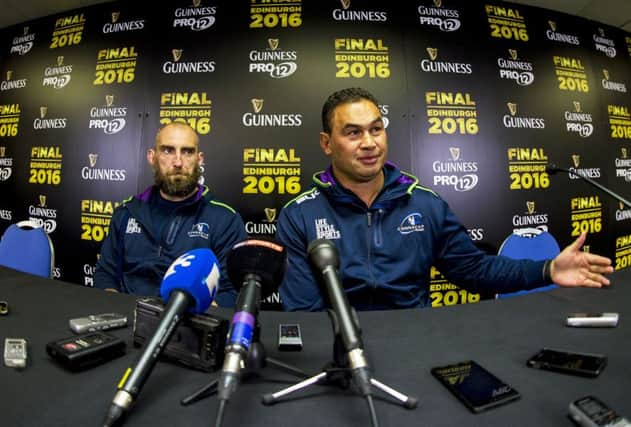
(354, 125)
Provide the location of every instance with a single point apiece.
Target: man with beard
(176, 214)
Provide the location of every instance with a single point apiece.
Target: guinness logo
(606, 74)
(623, 151)
(42, 111)
(455, 153)
(177, 54)
(60, 61)
(109, 100)
(586, 248)
(513, 54)
(25, 30)
(115, 16)
(196, 3)
(432, 52)
(438, 3)
(2, 151)
(553, 25)
(9, 74)
(257, 104)
(577, 106)
(92, 159)
(601, 32)
(273, 43)
(512, 108)
(576, 159)
(270, 214)
(345, 4)
(531, 207)
(620, 206)
(42, 200)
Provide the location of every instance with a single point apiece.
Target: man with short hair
(390, 231)
(149, 231)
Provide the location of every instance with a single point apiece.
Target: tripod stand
(256, 360)
(339, 373)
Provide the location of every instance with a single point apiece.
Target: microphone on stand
(324, 258)
(256, 267)
(552, 169)
(190, 284)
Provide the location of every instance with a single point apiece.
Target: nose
(367, 141)
(177, 159)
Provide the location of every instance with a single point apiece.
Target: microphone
(189, 284)
(256, 268)
(324, 257)
(553, 169)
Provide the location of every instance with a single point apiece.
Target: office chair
(529, 243)
(27, 247)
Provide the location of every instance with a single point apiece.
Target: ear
(325, 142)
(151, 153)
(200, 158)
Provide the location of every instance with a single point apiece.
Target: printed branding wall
(478, 99)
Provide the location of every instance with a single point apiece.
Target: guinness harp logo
(432, 52)
(42, 111)
(115, 16)
(109, 100)
(177, 54)
(531, 207)
(577, 106)
(2, 151)
(455, 153)
(9, 74)
(42, 200)
(512, 108)
(60, 61)
(257, 104)
(601, 32)
(196, 3)
(25, 30)
(92, 159)
(273, 43)
(586, 248)
(623, 151)
(576, 159)
(270, 214)
(345, 4)
(553, 25)
(606, 74)
(513, 54)
(438, 3)
(620, 206)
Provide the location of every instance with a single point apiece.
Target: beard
(177, 185)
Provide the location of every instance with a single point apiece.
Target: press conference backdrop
(477, 97)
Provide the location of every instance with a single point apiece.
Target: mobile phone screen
(584, 364)
(476, 387)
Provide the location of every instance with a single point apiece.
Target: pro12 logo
(277, 63)
(196, 18)
(108, 118)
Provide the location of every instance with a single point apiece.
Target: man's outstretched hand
(573, 267)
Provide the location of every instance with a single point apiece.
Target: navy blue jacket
(133, 260)
(387, 250)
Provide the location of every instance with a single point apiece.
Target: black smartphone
(476, 387)
(568, 362)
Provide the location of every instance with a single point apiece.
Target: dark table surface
(401, 346)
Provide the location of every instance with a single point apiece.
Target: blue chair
(27, 247)
(530, 243)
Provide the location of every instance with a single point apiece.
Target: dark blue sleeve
(299, 290)
(224, 238)
(106, 272)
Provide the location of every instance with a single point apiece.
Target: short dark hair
(352, 94)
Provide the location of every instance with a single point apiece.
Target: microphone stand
(554, 169)
(256, 360)
(339, 373)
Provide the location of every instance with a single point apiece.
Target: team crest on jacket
(411, 224)
(199, 230)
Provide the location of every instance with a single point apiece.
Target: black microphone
(324, 257)
(190, 284)
(553, 169)
(256, 267)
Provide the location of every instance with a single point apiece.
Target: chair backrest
(27, 247)
(531, 243)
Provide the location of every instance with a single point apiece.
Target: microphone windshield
(323, 253)
(195, 273)
(263, 258)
